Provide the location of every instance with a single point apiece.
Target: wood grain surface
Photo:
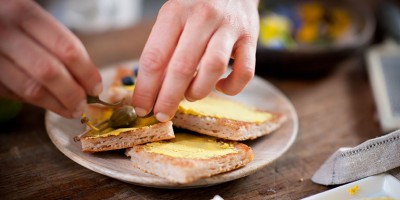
(334, 111)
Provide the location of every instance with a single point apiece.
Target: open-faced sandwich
(189, 157)
(210, 147)
(111, 133)
(224, 118)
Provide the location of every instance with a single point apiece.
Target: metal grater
(383, 64)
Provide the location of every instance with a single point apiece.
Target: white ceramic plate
(383, 185)
(114, 164)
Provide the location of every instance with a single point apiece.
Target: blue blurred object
(276, 45)
(128, 80)
(389, 14)
(135, 70)
(289, 12)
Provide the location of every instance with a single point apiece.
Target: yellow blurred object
(311, 12)
(353, 190)
(340, 23)
(306, 23)
(307, 33)
(273, 27)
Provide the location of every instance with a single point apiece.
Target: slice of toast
(224, 118)
(189, 157)
(142, 131)
(126, 137)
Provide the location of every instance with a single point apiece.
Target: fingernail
(79, 111)
(190, 99)
(219, 89)
(162, 117)
(97, 89)
(140, 112)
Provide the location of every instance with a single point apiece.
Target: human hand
(188, 51)
(42, 62)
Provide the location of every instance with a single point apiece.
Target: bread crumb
(353, 190)
(301, 179)
(217, 197)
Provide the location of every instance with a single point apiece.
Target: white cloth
(372, 157)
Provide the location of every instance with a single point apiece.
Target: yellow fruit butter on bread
(191, 146)
(221, 108)
(189, 157)
(224, 118)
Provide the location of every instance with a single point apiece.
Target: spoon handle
(96, 99)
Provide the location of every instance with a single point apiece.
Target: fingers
(16, 84)
(188, 51)
(184, 62)
(43, 68)
(212, 66)
(60, 42)
(154, 60)
(242, 70)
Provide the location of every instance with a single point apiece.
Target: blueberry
(128, 80)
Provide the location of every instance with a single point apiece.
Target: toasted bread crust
(226, 128)
(181, 170)
(152, 133)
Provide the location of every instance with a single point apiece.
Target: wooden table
(334, 111)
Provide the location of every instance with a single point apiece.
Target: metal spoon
(96, 99)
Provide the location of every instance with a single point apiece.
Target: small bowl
(311, 60)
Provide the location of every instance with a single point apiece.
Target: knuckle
(206, 10)
(145, 96)
(229, 20)
(152, 61)
(33, 91)
(217, 64)
(216, 69)
(145, 99)
(182, 68)
(249, 38)
(45, 70)
(69, 51)
(169, 6)
(167, 103)
(247, 72)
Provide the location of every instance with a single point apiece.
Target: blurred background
(297, 37)
(87, 16)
